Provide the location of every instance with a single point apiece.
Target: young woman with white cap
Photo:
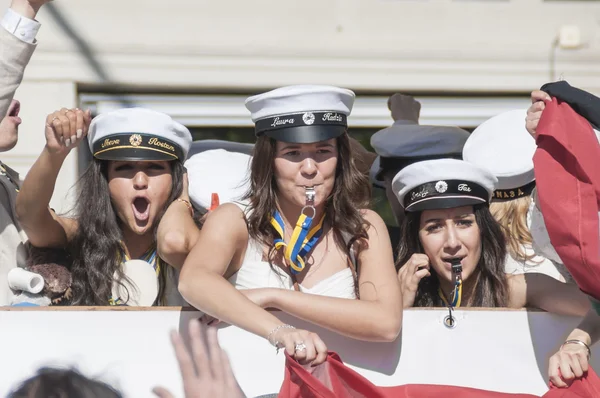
(305, 243)
(452, 251)
(135, 173)
(503, 146)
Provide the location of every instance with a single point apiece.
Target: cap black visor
(306, 134)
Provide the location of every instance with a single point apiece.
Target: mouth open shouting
(141, 209)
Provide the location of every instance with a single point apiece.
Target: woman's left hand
(570, 362)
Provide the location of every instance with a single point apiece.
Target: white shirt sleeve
(24, 29)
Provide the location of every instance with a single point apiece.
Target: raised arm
(64, 130)
(377, 316)
(17, 44)
(546, 293)
(222, 242)
(177, 232)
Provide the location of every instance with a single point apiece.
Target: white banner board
(488, 349)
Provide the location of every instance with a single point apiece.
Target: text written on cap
(108, 142)
(155, 141)
(281, 122)
(332, 117)
(500, 194)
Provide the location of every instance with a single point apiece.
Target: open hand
(206, 372)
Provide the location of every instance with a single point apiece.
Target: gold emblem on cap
(135, 140)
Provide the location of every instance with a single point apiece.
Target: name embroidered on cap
(301, 114)
(138, 134)
(442, 183)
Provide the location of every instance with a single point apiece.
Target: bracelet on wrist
(275, 330)
(578, 342)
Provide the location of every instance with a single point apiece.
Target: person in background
(305, 244)
(453, 251)
(136, 172)
(67, 383)
(503, 146)
(17, 44)
(406, 142)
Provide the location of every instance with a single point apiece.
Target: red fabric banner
(333, 379)
(567, 172)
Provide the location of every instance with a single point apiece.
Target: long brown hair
(491, 285)
(97, 242)
(351, 193)
(512, 216)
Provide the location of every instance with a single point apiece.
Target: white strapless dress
(256, 273)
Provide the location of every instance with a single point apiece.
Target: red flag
(567, 171)
(333, 379)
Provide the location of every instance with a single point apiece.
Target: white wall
(202, 46)
(461, 45)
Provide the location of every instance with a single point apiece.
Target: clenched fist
(66, 128)
(410, 275)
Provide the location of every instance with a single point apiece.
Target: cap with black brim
(302, 114)
(443, 184)
(303, 128)
(136, 147)
(444, 202)
(306, 134)
(444, 194)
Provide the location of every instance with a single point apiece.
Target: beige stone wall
(458, 45)
(377, 46)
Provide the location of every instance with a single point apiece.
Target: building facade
(197, 60)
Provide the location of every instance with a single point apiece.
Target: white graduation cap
(218, 172)
(503, 145)
(442, 184)
(138, 134)
(301, 114)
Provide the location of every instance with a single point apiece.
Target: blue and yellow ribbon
(302, 241)
(456, 295)
(150, 257)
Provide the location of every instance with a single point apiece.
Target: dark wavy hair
(351, 193)
(94, 248)
(54, 382)
(491, 286)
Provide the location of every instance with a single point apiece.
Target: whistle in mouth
(310, 195)
(456, 266)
